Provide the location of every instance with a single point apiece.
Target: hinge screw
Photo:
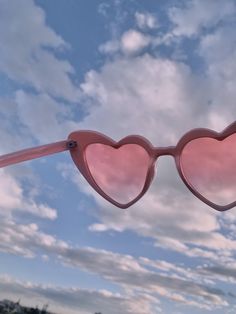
(71, 144)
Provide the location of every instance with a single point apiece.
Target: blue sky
(154, 68)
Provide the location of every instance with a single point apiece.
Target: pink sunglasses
(122, 171)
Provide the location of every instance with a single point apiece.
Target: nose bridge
(162, 151)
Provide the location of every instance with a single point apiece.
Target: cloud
(13, 199)
(23, 30)
(45, 119)
(143, 103)
(110, 47)
(218, 50)
(72, 300)
(132, 274)
(131, 42)
(196, 15)
(198, 227)
(11, 137)
(27, 240)
(146, 20)
(226, 273)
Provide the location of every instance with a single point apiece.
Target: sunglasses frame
(78, 141)
(85, 138)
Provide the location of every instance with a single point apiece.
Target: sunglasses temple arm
(35, 152)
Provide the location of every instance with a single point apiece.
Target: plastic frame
(79, 140)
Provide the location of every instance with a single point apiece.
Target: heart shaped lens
(119, 172)
(209, 166)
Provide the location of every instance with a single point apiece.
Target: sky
(154, 68)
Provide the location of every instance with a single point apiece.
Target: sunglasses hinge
(71, 144)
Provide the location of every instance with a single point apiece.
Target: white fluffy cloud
(27, 56)
(153, 97)
(23, 56)
(13, 199)
(133, 41)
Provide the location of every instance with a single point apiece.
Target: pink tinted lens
(209, 166)
(119, 172)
